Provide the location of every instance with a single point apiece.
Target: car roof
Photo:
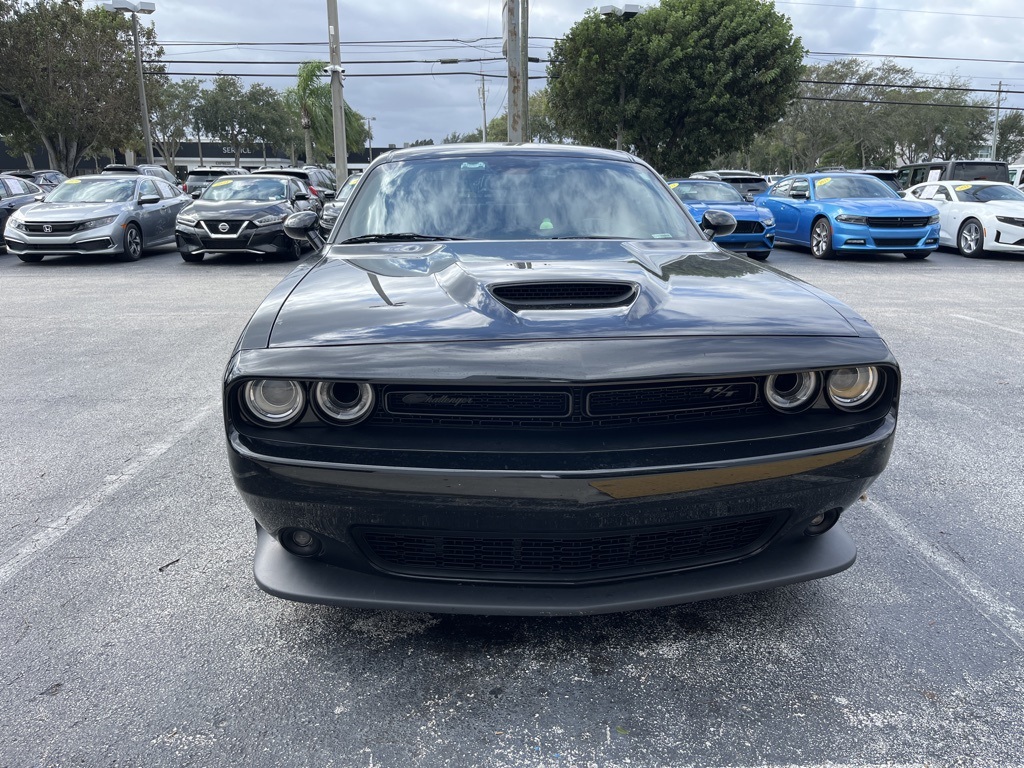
(480, 149)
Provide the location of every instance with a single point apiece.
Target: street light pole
(126, 6)
(369, 138)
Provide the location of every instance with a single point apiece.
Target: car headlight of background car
(188, 218)
(16, 221)
(933, 219)
(105, 221)
(768, 221)
(270, 218)
(849, 218)
(1012, 221)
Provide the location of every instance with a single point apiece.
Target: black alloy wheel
(132, 243)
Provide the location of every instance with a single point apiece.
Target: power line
(907, 56)
(906, 87)
(347, 74)
(899, 10)
(906, 103)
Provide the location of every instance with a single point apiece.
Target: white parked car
(976, 216)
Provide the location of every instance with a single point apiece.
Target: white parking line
(993, 325)
(19, 555)
(999, 611)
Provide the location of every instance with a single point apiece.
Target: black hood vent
(564, 295)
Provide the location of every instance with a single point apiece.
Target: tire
(821, 239)
(758, 255)
(30, 258)
(970, 240)
(191, 258)
(132, 243)
(296, 251)
(916, 255)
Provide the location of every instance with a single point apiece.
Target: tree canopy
(69, 73)
(682, 82)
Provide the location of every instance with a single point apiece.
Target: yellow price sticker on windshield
(222, 182)
(822, 182)
(74, 181)
(673, 185)
(353, 182)
(964, 187)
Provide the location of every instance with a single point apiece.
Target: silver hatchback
(109, 215)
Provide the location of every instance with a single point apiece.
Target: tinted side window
(3, 190)
(800, 185)
(148, 188)
(781, 189)
(166, 190)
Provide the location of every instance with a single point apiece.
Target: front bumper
(250, 239)
(102, 240)
(746, 242)
(344, 505)
(853, 238)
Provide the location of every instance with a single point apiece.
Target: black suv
(200, 178)
(146, 170)
(746, 183)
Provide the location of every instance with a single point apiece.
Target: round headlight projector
(853, 389)
(343, 402)
(792, 392)
(274, 402)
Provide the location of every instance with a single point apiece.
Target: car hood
(233, 209)
(745, 211)
(419, 292)
(53, 212)
(1007, 207)
(881, 207)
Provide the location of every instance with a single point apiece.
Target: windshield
(974, 193)
(108, 190)
(706, 192)
(247, 188)
(832, 187)
(515, 196)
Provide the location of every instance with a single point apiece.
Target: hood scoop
(588, 294)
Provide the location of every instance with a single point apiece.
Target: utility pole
(513, 55)
(483, 101)
(337, 92)
(995, 127)
(524, 58)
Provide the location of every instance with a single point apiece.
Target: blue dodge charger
(837, 213)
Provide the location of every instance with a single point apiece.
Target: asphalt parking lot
(133, 633)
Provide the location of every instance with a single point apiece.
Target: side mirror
(303, 226)
(301, 196)
(329, 194)
(197, 194)
(717, 223)
(800, 194)
(749, 197)
(149, 199)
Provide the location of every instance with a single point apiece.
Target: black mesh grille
(233, 225)
(570, 406)
(56, 228)
(509, 556)
(897, 222)
(748, 228)
(896, 242)
(576, 295)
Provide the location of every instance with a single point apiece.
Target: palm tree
(314, 98)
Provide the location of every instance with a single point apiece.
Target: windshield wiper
(592, 237)
(389, 237)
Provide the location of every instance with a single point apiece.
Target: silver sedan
(117, 216)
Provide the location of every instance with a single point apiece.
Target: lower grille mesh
(496, 556)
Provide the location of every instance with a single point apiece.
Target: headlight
(769, 222)
(933, 219)
(188, 218)
(343, 402)
(1011, 221)
(792, 392)
(94, 223)
(16, 221)
(853, 389)
(849, 218)
(272, 218)
(274, 402)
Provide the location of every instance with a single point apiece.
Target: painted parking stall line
(16, 557)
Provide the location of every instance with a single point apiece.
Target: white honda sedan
(976, 216)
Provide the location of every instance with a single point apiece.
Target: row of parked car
(970, 205)
(125, 209)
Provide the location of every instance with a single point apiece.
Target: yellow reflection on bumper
(700, 479)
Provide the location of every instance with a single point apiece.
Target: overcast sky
(437, 102)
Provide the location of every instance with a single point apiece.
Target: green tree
(540, 124)
(70, 74)
(682, 82)
(224, 114)
(1011, 137)
(172, 105)
(312, 96)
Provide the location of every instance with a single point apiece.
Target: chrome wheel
(971, 239)
(821, 239)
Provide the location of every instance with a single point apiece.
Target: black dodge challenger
(522, 380)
